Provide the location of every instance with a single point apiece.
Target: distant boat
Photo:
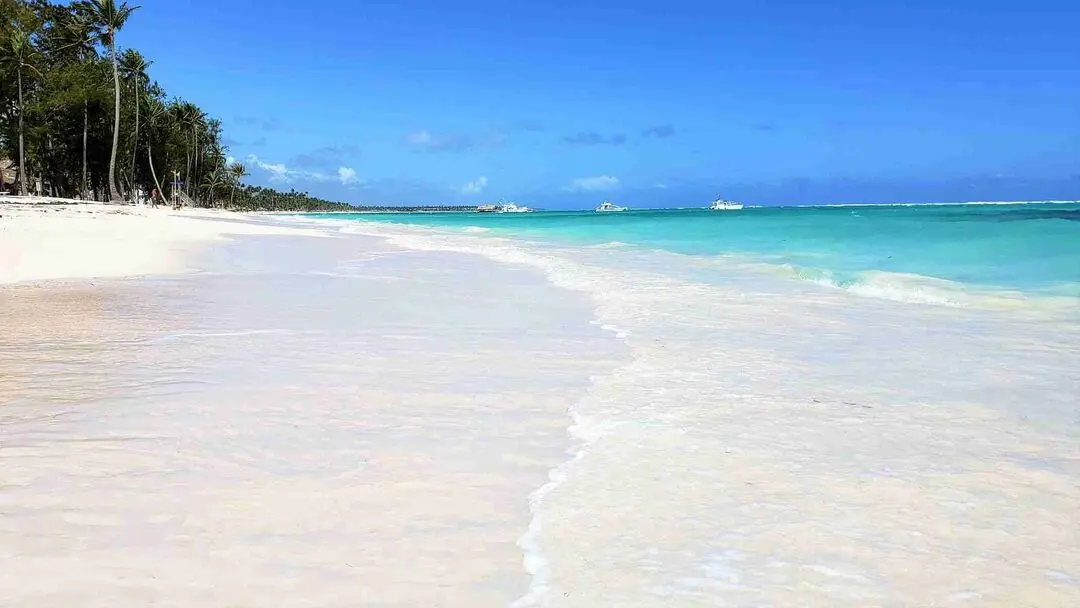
(487, 209)
(606, 207)
(722, 205)
(512, 208)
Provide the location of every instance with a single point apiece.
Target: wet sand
(305, 422)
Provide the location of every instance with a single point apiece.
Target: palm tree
(214, 156)
(195, 120)
(105, 19)
(18, 52)
(209, 153)
(237, 172)
(187, 116)
(134, 66)
(213, 183)
(155, 111)
(75, 33)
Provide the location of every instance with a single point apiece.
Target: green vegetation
(81, 117)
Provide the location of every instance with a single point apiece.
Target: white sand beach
(207, 409)
(44, 238)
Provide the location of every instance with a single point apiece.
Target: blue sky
(563, 104)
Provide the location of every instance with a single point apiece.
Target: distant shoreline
(367, 211)
(470, 209)
(433, 209)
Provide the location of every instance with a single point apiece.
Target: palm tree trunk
(194, 164)
(114, 194)
(135, 146)
(48, 154)
(187, 168)
(85, 130)
(195, 167)
(150, 157)
(22, 145)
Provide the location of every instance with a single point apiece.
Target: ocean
(945, 254)
(829, 406)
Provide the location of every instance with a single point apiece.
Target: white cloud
(280, 173)
(433, 141)
(420, 138)
(660, 186)
(592, 184)
(347, 175)
(476, 186)
(229, 160)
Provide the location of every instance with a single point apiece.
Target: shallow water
(942, 253)
(314, 422)
(779, 443)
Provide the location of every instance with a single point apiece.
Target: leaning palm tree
(105, 19)
(18, 52)
(155, 113)
(237, 171)
(134, 65)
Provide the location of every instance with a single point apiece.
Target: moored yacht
(512, 208)
(608, 207)
(722, 205)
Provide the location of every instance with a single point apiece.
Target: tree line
(80, 117)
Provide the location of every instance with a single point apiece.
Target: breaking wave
(919, 289)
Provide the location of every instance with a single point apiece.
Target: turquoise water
(1032, 247)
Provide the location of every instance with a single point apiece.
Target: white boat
(487, 209)
(722, 205)
(606, 207)
(512, 208)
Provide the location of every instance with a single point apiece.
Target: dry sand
(44, 238)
